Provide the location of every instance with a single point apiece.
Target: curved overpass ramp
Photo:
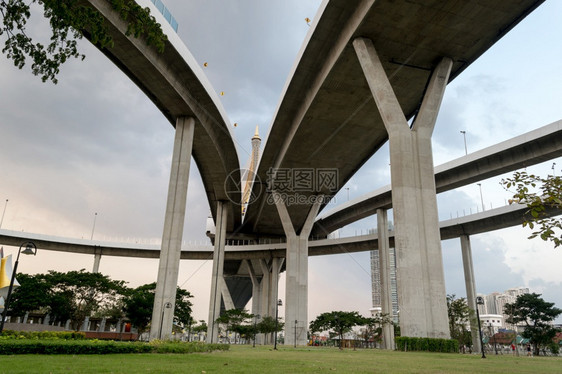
(176, 84)
(534, 147)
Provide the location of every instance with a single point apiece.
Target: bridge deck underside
(328, 105)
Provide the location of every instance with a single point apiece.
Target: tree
(138, 304)
(536, 314)
(182, 312)
(73, 295)
(337, 322)
(30, 295)
(459, 317)
(540, 195)
(267, 325)
(200, 328)
(82, 293)
(373, 328)
(234, 319)
(69, 21)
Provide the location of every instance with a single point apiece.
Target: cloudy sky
(94, 144)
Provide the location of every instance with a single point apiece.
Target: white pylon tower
(248, 174)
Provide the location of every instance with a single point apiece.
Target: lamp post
(279, 303)
(167, 305)
(296, 321)
(481, 198)
(30, 249)
(464, 137)
(255, 321)
(493, 335)
(94, 226)
(480, 301)
(4, 212)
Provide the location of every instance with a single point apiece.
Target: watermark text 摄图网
(294, 180)
(301, 186)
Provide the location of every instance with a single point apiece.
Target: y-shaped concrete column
(256, 288)
(296, 289)
(225, 293)
(270, 282)
(217, 281)
(421, 284)
(168, 267)
(256, 295)
(270, 287)
(386, 289)
(265, 289)
(470, 289)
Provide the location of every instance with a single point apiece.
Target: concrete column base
(386, 289)
(470, 290)
(217, 281)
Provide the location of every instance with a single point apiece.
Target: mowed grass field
(245, 359)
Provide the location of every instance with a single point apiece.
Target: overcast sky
(95, 144)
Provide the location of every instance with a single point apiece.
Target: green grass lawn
(245, 359)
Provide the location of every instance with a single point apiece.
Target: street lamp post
(481, 198)
(167, 305)
(4, 212)
(30, 249)
(493, 335)
(94, 226)
(296, 321)
(464, 137)
(480, 301)
(255, 321)
(279, 303)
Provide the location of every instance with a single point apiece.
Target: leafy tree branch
(69, 21)
(541, 195)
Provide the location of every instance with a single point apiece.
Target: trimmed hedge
(75, 347)
(43, 335)
(405, 343)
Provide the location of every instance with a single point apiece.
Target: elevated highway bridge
(369, 72)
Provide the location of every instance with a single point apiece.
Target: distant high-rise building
(376, 281)
(494, 303)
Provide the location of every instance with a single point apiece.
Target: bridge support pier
(296, 288)
(470, 290)
(386, 289)
(97, 259)
(270, 285)
(217, 280)
(168, 267)
(421, 283)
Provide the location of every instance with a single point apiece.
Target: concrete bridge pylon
(421, 282)
(168, 267)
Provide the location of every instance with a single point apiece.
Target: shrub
(43, 335)
(74, 347)
(28, 346)
(405, 343)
